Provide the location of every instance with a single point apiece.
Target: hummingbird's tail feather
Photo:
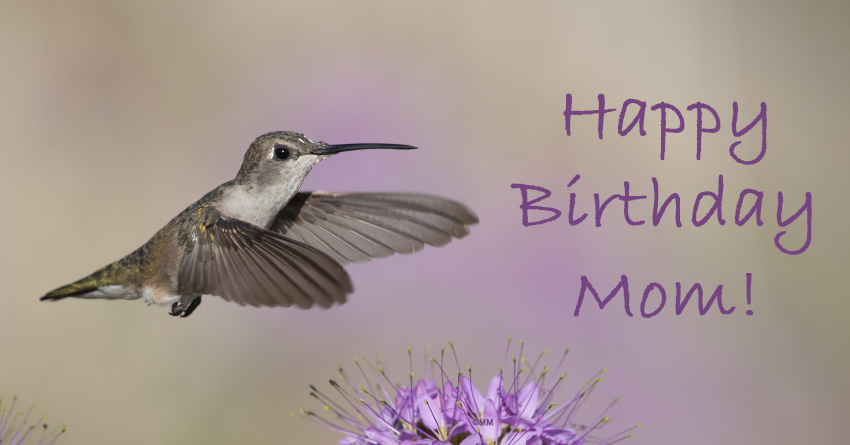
(71, 290)
(92, 286)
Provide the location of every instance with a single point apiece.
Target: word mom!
(681, 298)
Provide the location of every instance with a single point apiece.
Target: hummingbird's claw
(191, 308)
(177, 309)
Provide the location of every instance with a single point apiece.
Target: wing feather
(356, 227)
(249, 265)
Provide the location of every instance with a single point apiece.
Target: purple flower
(14, 429)
(444, 411)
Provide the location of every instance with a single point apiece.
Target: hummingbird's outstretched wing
(356, 227)
(246, 264)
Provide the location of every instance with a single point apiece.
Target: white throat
(259, 205)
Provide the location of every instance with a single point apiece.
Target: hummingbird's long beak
(334, 149)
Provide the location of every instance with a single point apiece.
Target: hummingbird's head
(284, 155)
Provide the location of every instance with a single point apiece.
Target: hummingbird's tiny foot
(191, 308)
(177, 309)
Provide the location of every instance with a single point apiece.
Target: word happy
(665, 108)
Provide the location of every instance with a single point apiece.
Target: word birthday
(707, 206)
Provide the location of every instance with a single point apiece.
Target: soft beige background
(117, 115)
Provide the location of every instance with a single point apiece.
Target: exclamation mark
(749, 292)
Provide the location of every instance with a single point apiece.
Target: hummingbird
(257, 240)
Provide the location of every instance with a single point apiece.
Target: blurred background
(117, 115)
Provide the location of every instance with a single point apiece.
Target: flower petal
(430, 413)
(490, 425)
(527, 400)
(494, 391)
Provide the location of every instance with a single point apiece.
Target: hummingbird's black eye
(281, 152)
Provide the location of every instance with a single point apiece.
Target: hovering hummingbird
(257, 240)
